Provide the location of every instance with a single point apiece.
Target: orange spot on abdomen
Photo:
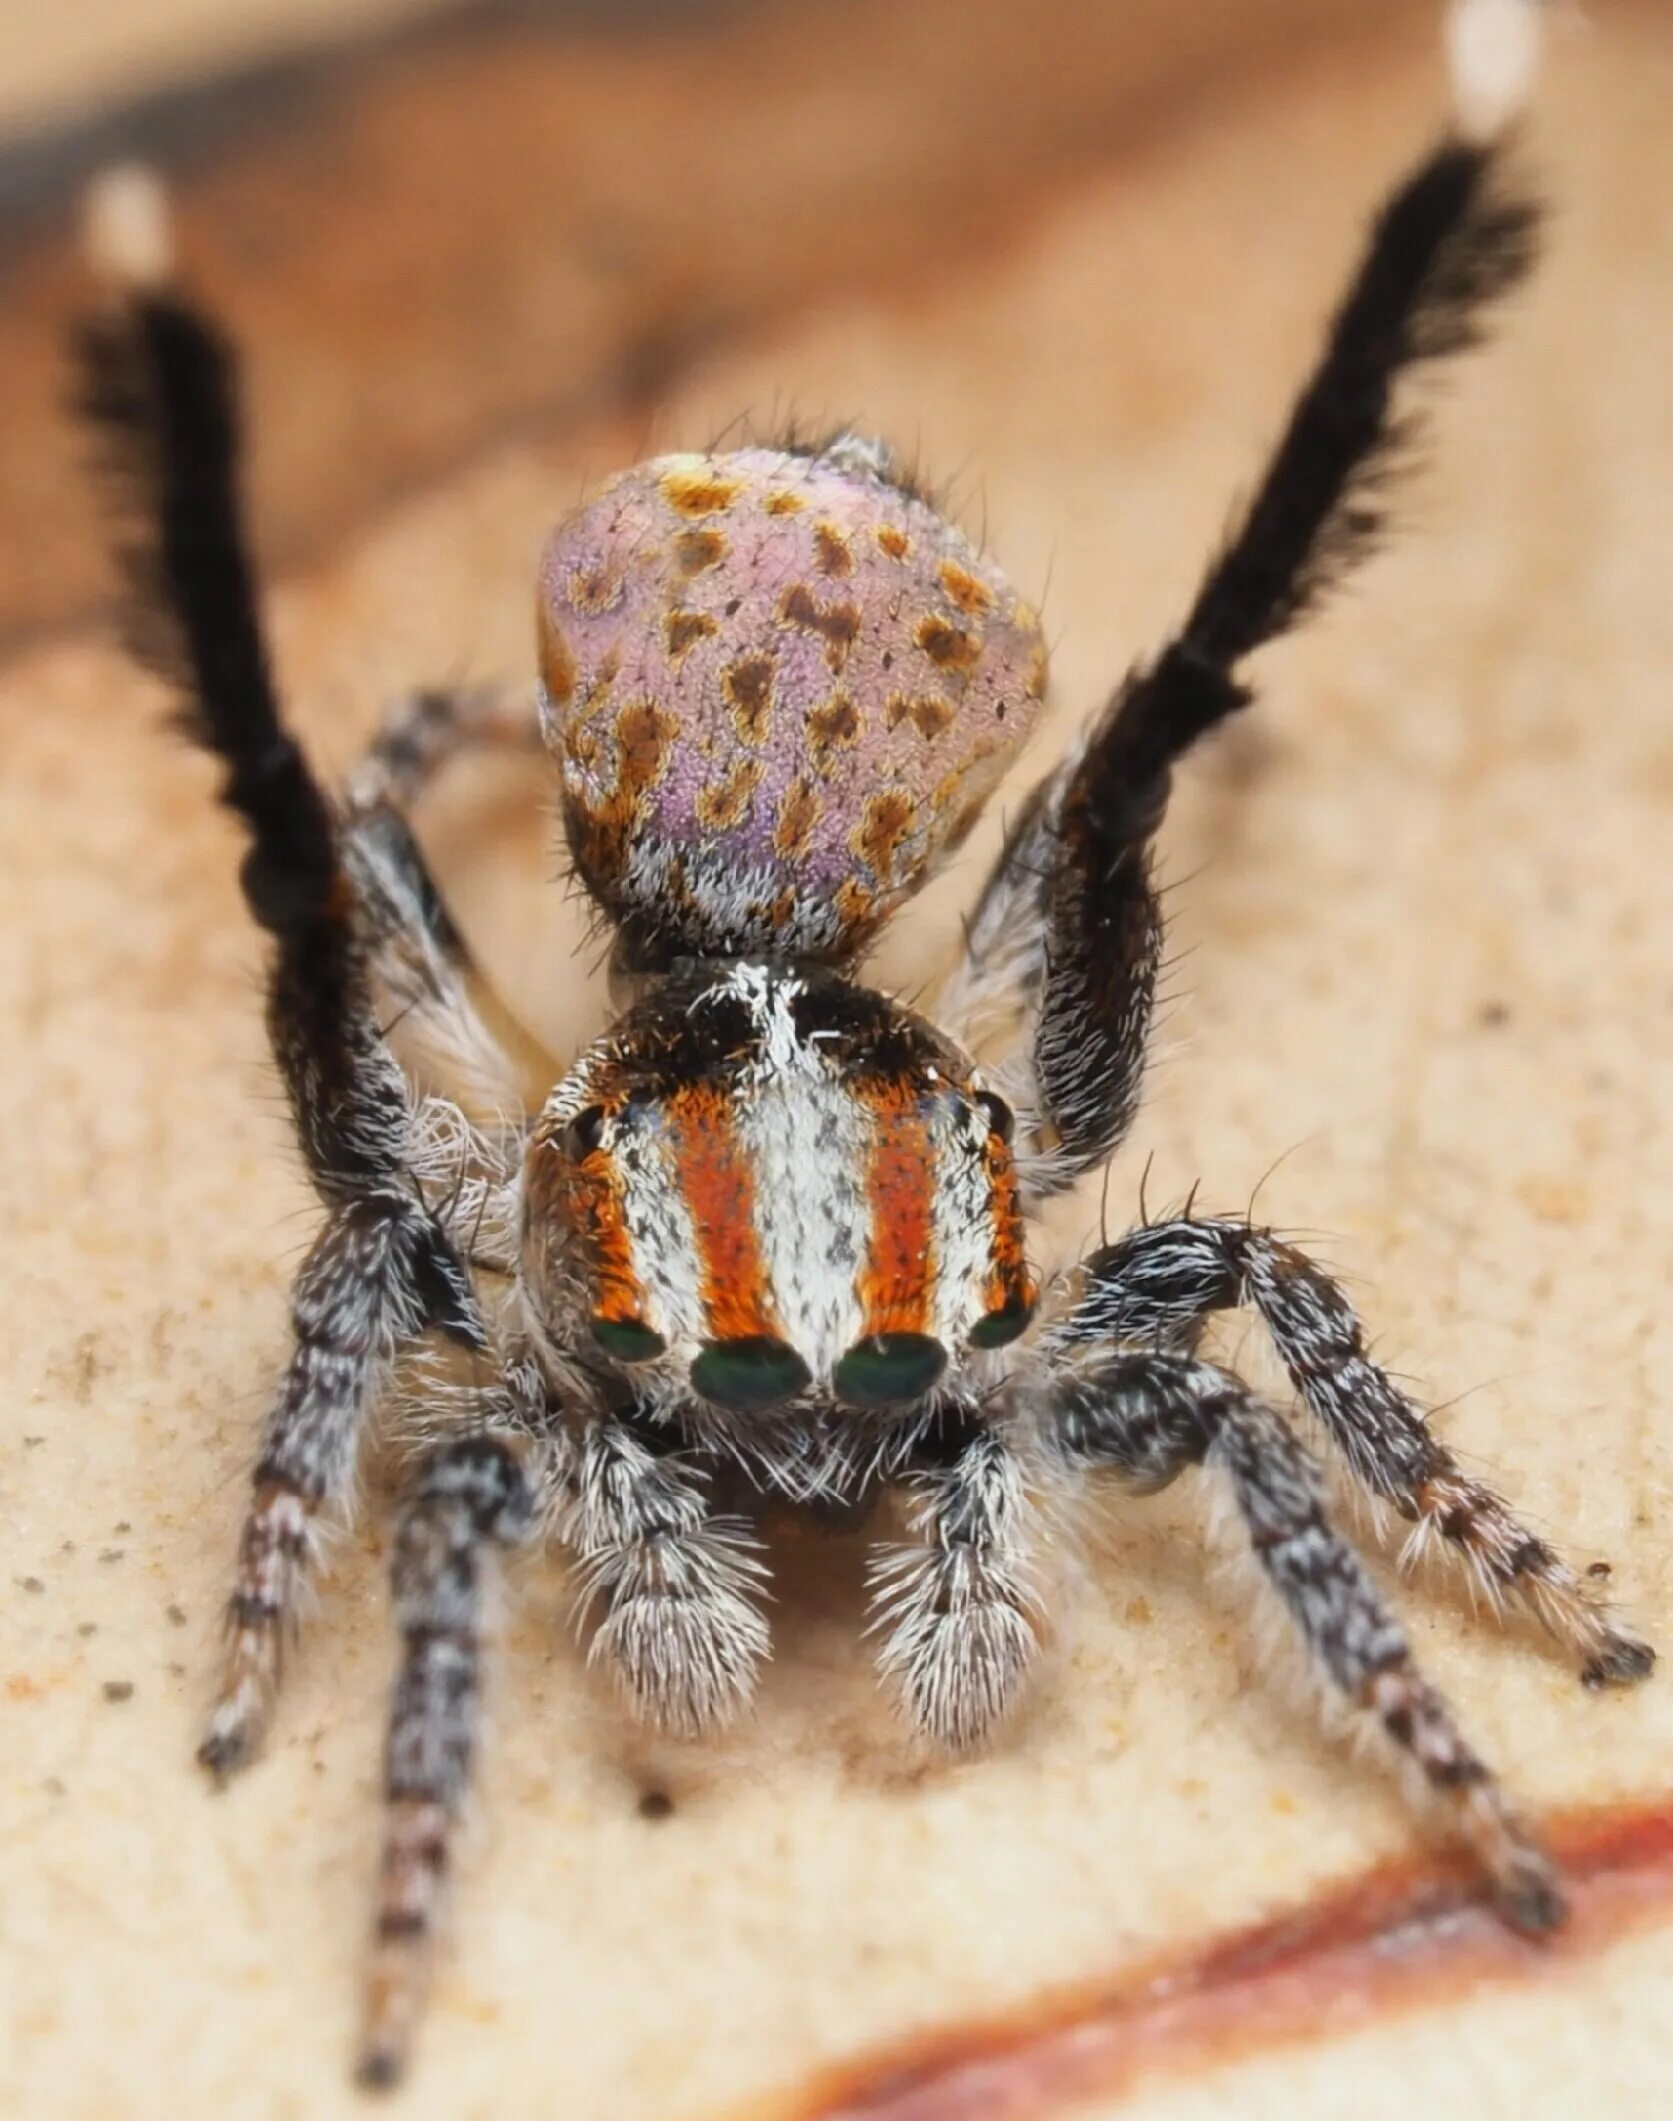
(697, 489)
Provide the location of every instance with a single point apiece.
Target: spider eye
(627, 1339)
(584, 1132)
(1001, 1118)
(749, 1374)
(888, 1369)
(999, 1328)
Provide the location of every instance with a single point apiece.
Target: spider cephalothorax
(766, 1236)
(669, 1178)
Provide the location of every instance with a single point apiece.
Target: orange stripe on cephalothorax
(896, 1282)
(718, 1186)
(591, 1192)
(1009, 1281)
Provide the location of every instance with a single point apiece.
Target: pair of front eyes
(753, 1374)
(749, 1376)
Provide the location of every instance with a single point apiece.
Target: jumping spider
(769, 1232)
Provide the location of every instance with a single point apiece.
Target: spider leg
(1161, 1284)
(681, 1624)
(464, 1155)
(440, 1005)
(1067, 934)
(471, 1495)
(373, 1279)
(158, 389)
(957, 1607)
(427, 730)
(1148, 1416)
(427, 987)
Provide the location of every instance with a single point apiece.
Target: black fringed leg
(1068, 927)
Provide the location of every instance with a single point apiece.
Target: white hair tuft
(1493, 50)
(128, 229)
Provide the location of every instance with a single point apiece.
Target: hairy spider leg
(158, 387)
(1067, 930)
(1160, 1284)
(427, 729)
(681, 1627)
(449, 1028)
(1148, 1416)
(957, 1607)
(471, 1496)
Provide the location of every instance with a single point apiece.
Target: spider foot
(238, 1720)
(961, 1674)
(414, 1872)
(958, 1639)
(1621, 1660)
(1526, 1886)
(687, 1663)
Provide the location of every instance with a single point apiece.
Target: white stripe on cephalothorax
(805, 1137)
(963, 1224)
(661, 1235)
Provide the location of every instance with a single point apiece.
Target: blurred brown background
(440, 224)
(1078, 255)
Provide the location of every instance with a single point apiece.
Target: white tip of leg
(128, 230)
(1492, 49)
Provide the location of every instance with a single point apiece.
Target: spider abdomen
(779, 686)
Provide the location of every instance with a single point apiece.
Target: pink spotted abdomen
(778, 687)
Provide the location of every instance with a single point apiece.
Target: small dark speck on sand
(656, 1804)
(31, 1583)
(119, 1689)
(176, 1616)
(111, 1554)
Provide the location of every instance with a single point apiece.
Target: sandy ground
(1423, 1000)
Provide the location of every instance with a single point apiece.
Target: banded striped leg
(450, 1031)
(681, 1626)
(1161, 1284)
(472, 1495)
(1066, 934)
(435, 994)
(1148, 1417)
(365, 1287)
(462, 1156)
(957, 1608)
(427, 985)
(426, 731)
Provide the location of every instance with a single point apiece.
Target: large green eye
(628, 1339)
(888, 1369)
(749, 1375)
(1001, 1327)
